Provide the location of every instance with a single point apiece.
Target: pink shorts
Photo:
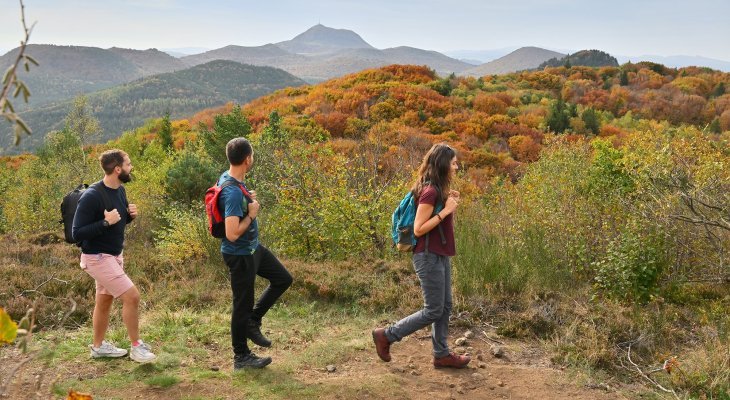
(108, 272)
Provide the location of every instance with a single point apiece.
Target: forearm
(243, 225)
(428, 225)
(240, 228)
(88, 231)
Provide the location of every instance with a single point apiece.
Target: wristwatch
(105, 223)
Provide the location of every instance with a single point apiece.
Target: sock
(135, 343)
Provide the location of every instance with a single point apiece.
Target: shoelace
(142, 345)
(107, 346)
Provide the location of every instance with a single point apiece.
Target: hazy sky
(620, 27)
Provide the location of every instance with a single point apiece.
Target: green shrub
(188, 178)
(185, 236)
(631, 267)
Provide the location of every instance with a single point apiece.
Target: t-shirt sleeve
(428, 196)
(234, 202)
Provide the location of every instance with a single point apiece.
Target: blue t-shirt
(234, 204)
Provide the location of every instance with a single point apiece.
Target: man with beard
(101, 216)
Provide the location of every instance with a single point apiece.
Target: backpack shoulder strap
(228, 182)
(124, 194)
(232, 182)
(99, 187)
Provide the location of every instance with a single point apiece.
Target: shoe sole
(450, 366)
(375, 340)
(267, 362)
(262, 345)
(108, 355)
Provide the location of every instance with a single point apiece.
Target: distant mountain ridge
(521, 59)
(321, 53)
(320, 39)
(679, 61)
(182, 93)
(586, 58)
(66, 71)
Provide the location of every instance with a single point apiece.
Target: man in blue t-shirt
(246, 258)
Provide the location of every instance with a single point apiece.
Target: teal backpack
(402, 223)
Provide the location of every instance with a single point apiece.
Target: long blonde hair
(435, 170)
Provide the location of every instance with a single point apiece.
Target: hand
(451, 204)
(253, 194)
(253, 209)
(112, 217)
(132, 210)
(454, 193)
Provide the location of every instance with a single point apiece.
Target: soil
(522, 372)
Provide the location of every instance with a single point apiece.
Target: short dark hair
(237, 150)
(111, 159)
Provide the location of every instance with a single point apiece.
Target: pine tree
(273, 133)
(165, 132)
(225, 128)
(558, 118)
(715, 126)
(590, 119)
(624, 78)
(719, 90)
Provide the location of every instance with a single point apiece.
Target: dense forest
(584, 58)
(180, 93)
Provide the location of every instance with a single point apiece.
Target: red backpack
(216, 222)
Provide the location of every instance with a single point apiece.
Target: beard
(125, 177)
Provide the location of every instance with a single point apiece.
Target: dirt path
(523, 372)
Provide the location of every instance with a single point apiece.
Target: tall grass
(512, 264)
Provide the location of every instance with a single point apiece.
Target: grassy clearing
(325, 317)
(194, 351)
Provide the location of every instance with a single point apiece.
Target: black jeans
(243, 271)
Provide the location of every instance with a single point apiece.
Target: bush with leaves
(631, 266)
(189, 176)
(329, 207)
(184, 237)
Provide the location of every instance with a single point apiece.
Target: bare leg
(130, 312)
(100, 318)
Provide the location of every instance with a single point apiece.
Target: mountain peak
(321, 39)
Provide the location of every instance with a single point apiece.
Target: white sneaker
(142, 353)
(107, 350)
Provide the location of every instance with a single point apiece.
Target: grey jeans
(434, 272)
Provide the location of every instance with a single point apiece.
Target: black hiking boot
(250, 360)
(253, 332)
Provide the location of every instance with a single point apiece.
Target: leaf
(23, 126)
(7, 104)
(31, 59)
(74, 395)
(18, 131)
(7, 74)
(26, 93)
(8, 328)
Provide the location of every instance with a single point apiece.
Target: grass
(190, 343)
(321, 321)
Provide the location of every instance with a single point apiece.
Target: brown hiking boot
(382, 345)
(451, 361)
